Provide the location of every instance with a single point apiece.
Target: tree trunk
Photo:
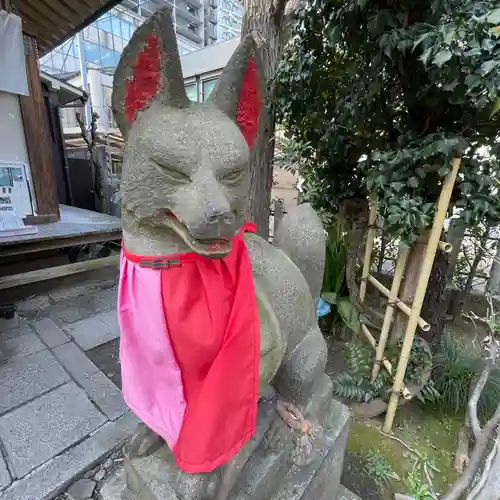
(493, 285)
(381, 257)
(409, 286)
(455, 237)
(265, 21)
(436, 300)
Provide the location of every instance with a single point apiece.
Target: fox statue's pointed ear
(149, 69)
(240, 91)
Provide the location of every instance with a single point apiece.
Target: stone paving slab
(22, 379)
(21, 345)
(5, 479)
(39, 430)
(75, 361)
(34, 306)
(107, 397)
(50, 333)
(86, 288)
(55, 476)
(77, 308)
(96, 330)
(14, 328)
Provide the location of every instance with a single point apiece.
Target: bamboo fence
(413, 312)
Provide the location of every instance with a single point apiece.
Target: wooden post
(279, 212)
(389, 312)
(430, 252)
(372, 218)
(38, 141)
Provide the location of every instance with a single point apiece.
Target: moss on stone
(432, 435)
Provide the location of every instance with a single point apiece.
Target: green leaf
(442, 57)
(476, 51)
(496, 108)
(487, 66)
(397, 186)
(330, 297)
(413, 182)
(494, 17)
(349, 315)
(419, 40)
(425, 56)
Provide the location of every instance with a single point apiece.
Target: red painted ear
(249, 104)
(144, 83)
(240, 91)
(149, 70)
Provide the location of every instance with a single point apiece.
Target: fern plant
(357, 385)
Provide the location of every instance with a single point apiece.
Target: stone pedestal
(262, 471)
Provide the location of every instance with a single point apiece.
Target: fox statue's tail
(302, 237)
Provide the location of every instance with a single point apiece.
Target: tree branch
(483, 436)
(474, 399)
(455, 492)
(487, 468)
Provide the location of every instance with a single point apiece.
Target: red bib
(213, 327)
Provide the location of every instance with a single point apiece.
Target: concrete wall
(13, 147)
(210, 59)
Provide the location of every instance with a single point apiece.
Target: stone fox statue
(211, 315)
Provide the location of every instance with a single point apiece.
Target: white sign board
(15, 190)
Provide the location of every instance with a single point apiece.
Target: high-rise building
(197, 22)
(88, 60)
(223, 19)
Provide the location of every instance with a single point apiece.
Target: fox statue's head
(185, 164)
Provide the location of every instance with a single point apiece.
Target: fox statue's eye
(173, 174)
(232, 177)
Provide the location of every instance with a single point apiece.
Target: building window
(109, 58)
(92, 52)
(116, 26)
(105, 23)
(208, 86)
(127, 30)
(192, 92)
(91, 34)
(192, 10)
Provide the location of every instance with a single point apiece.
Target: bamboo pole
(445, 246)
(389, 312)
(398, 303)
(372, 231)
(387, 364)
(423, 280)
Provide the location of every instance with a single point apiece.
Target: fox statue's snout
(213, 213)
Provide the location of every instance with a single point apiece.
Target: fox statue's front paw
(144, 442)
(306, 433)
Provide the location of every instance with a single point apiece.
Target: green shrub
(453, 373)
(334, 289)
